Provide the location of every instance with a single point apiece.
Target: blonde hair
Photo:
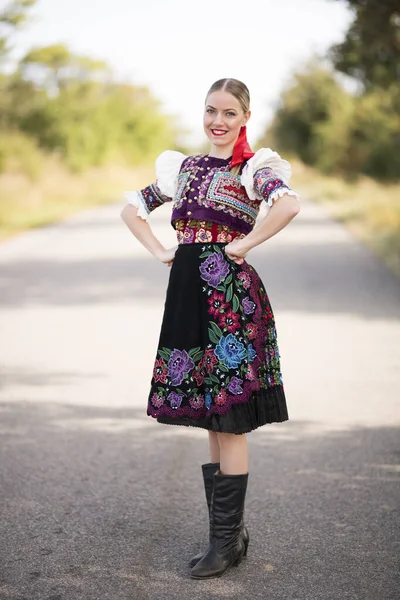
(240, 91)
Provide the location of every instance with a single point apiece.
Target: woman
(217, 365)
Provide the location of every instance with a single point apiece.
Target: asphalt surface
(100, 502)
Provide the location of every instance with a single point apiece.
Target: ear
(246, 117)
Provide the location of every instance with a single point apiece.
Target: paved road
(99, 502)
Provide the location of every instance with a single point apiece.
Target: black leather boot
(227, 546)
(209, 471)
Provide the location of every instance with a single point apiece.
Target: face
(223, 118)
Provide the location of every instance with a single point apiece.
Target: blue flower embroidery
(251, 353)
(230, 352)
(208, 400)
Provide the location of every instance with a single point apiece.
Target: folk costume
(217, 364)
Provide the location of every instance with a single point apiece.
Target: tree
(12, 17)
(305, 106)
(371, 50)
(55, 67)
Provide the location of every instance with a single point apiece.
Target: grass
(369, 209)
(58, 193)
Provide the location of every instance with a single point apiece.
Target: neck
(221, 151)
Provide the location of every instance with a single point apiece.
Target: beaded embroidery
(266, 182)
(226, 193)
(151, 197)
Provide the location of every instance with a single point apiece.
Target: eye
(231, 114)
(209, 110)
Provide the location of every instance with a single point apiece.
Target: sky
(178, 48)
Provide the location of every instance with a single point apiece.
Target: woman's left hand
(235, 251)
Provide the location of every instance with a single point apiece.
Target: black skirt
(217, 365)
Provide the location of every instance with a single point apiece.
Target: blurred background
(90, 94)
(96, 499)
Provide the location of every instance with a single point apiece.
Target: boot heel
(238, 561)
(246, 545)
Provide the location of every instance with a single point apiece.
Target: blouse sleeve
(163, 189)
(266, 176)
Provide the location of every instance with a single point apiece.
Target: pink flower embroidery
(245, 279)
(251, 330)
(250, 373)
(203, 236)
(157, 400)
(220, 398)
(208, 361)
(224, 236)
(197, 402)
(198, 376)
(160, 371)
(229, 321)
(217, 304)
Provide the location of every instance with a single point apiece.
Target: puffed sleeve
(266, 176)
(163, 189)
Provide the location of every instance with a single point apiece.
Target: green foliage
(12, 17)
(305, 107)
(20, 154)
(333, 130)
(371, 49)
(68, 104)
(336, 132)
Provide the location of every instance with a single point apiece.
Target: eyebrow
(209, 106)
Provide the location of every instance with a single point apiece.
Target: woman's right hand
(167, 255)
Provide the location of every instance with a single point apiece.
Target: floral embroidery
(239, 354)
(214, 269)
(160, 372)
(179, 365)
(230, 352)
(203, 236)
(152, 197)
(198, 376)
(229, 321)
(225, 236)
(189, 231)
(208, 361)
(248, 306)
(251, 330)
(235, 385)
(197, 402)
(266, 183)
(250, 373)
(251, 353)
(157, 400)
(217, 304)
(245, 279)
(175, 399)
(220, 398)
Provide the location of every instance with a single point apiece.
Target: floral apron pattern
(241, 356)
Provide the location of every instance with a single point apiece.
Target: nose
(218, 119)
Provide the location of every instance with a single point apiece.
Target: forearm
(141, 230)
(279, 215)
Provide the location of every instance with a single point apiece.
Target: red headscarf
(241, 149)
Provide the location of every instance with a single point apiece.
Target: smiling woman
(217, 365)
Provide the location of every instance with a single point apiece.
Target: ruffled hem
(278, 193)
(264, 406)
(135, 199)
